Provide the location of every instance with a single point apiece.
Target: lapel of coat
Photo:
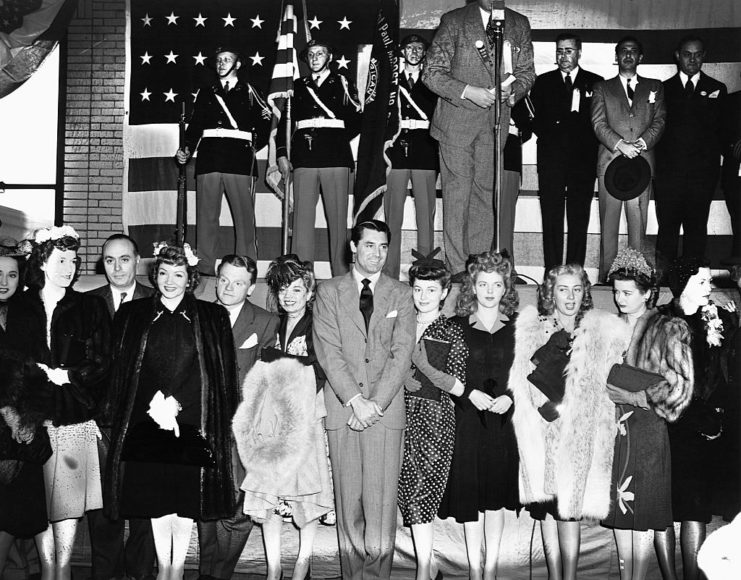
(640, 98)
(244, 325)
(475, 31)
(380, 301)
(108, 297)
(349, 297)
(140, 291)
(617, 90)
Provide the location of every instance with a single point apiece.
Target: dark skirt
(23, 503)
(428, 450)
(640, 491)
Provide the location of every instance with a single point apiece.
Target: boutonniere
(588, 94)
(651, 97)
(713, 324)
(714, 95)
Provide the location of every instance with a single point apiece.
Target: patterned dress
(430, 433)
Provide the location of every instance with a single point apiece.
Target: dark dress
(483, 474)
(429, 438)
(704, 467)
(170, 365)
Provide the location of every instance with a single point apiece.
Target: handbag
(437, 355)
(37, 451)
(631, 378)
(147, 443)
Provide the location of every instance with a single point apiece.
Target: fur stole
(661, 344)
(581, 468)
(275, 427)
(531, 332)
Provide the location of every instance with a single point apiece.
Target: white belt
(228, 134)
(320, 123)
(415, 124)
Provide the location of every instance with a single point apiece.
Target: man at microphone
(460, 69)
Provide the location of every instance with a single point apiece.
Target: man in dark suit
(688, 155)
(628, 116)
(731, 173)
(460, 69)
(567, 152)
(230, 122)
(110, 557)
(325, 114)
(221, 541)
(413, 157)
(364, 333)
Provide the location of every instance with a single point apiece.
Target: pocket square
(715, 94)
(392, 314)
(250, 342)
(652, 97)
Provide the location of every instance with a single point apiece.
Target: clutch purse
(550, 361)
(437, 355)
(147, 443)
(631, 378)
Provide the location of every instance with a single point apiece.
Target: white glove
(57, 376)
(164, 412)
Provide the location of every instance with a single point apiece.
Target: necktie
(226, 87)
(631, 92)
(689, 88)
(366, 302)
(3, 315)
(123, 297)
(316, 80)
(490, 36)
(411, 81)
(568, 82)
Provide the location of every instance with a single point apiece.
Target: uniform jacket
(373, 363)
(731, 135)
(614, 119)
(321, 147)
(692, 141)
(80, 344)
(252, 321)
(570, 458)
(421, 150)
(566, 140)
(219, 396)
(250, 112)
(453, 62)
(140, 291)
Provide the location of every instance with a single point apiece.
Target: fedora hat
(627, 178)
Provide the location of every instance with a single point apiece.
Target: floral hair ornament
(632, 261)
(428, 261)
(190, 255)
(54, 233)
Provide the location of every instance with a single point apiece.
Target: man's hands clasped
(366, 413)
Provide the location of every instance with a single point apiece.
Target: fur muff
(581, 470)
(531, 332)
(664, 348)
(274, 427)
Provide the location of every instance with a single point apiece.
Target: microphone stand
(498, 154)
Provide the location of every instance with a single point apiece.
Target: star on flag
(257, 59)
(257, 22)
(172, 19)
(344, 23)
(200, 20)
(314, 23)
(229, 21)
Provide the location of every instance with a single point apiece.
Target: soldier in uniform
(230, 123)
(413, 156)
(325, 118)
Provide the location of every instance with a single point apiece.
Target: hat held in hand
(626, 178)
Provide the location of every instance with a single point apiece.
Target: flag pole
(288, 182)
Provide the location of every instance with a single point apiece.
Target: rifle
(180, 214)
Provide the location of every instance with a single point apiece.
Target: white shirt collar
(572, 73)
(485, 16)
(695, 78)
(116, 294)
(233, 311)
(359, 280)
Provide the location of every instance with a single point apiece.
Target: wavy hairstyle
(40, 253)
(643, 282)
(546, 301)
(174, 256)
(488, 262)
(284, 271)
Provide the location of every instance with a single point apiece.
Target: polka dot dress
(430, 434)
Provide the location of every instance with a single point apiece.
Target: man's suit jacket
(453, 62)
(253, 320)
(421, 147)
(613, 118)
(693, 138)
(566, 140)
(105, 292)
(731, 135)
(373, 363)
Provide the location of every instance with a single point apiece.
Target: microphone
(483, 53)
(497, 12)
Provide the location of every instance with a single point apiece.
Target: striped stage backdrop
(151, 175)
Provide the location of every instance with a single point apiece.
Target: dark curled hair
(546, 301)
(488, 262)
(239, 261)
(431, 272)
(643, 282)
(284, 271)
(40, 255)
(174, 256)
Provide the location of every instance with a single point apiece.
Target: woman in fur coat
(645, 402)
(704, 440)
(564, 420)
(173, 396)
(279, 426)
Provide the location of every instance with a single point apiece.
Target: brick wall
(93, 124)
